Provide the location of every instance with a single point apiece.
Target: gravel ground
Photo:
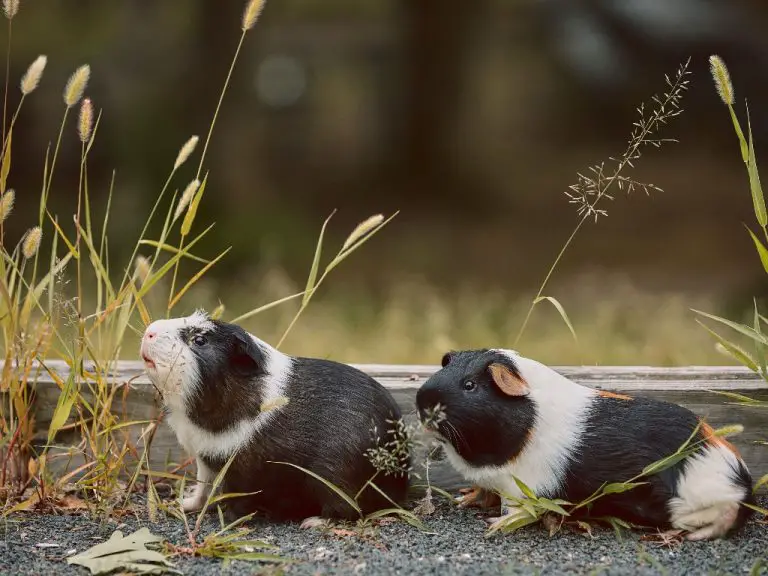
(456, 546)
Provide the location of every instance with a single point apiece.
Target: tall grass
(755, 356)
(44, 315)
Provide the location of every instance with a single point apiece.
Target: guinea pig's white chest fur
(562, 410)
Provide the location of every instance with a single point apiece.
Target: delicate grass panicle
(85, 124)
(185, 152)
(31, 242)
(11, 8)
(6, 204)
(251, 13)
(142, 269)
(596, 185)
(722, 79)
(186, 198)
(32, 76)
(76, 85)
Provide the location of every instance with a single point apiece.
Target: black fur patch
(230, 365)
(484, 425)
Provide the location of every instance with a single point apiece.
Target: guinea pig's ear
(508, 381)
(446, 359)
(246, 355)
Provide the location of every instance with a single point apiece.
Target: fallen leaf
(126, 553)
(343, 533)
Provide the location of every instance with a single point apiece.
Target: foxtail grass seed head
(10, 7)
(31, 242)
(186, 198)
(185, 152)
(86, 120)
(251, 13)
(76, 85)
(141, 267)
(6, 204)
(722, 79)
(217, 312)
(32, 76)
(362, 229)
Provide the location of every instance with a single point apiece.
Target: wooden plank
(687, 386)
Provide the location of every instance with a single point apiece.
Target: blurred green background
(471, 118)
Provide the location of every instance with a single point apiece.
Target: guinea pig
(215, 378)
(504, 415)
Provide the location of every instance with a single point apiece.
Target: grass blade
(341, 494)
(312, 278)
(561, 311)
(762, 251)
(746, 330)
(754, 180)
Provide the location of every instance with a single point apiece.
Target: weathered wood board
(692, 387)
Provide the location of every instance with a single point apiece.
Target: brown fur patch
(708, 433)
(607, 394)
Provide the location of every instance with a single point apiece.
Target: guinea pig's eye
(469, 385)
(199, 340)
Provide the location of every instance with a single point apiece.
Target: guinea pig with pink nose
(227, 392)
(503, 416)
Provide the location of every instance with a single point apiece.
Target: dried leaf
(125, 553)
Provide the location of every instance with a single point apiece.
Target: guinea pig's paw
(477, 497)
(195, 500)
(709, 523)
(314, 522)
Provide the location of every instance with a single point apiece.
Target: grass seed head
(142, 267)
(362, 229)
(76, 85)
(6, 204)
(186, 198)
(32, 76)
(722, 79)
(31, 242)
(251, 13)
(186, 151)
(10, 7)
(86, 120)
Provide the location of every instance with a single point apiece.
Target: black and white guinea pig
(215, 376)
(505, 415)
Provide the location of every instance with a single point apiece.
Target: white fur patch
(175, 373)
(706, 495)
(562, 407)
